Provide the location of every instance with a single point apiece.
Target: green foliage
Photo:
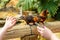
(39, 5)
(50, 5)
(27, 4)
(57, 16)
(3, 3)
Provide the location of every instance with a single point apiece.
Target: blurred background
(18, 8)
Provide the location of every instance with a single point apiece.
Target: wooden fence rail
(20, 30)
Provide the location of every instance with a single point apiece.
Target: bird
(43, 15)
(36, 19)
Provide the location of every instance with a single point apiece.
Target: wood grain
(21, 30)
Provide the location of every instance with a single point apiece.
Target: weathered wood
(54, 26)
(30, 37)
(2, 22)
(21, 30)
(18, 31)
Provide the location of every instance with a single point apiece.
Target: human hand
(10, 21)
(45, 32)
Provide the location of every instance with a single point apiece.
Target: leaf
(4, 0)
(50, 5)
(3, 3)
(52, 8)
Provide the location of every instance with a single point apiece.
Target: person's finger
(41, 32)
(40, 28)
(7, 17)
(14, 22)
(44, 26)
(11, 18)
(14, 19)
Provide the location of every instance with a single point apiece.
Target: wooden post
(29, 37)
(20, 30)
